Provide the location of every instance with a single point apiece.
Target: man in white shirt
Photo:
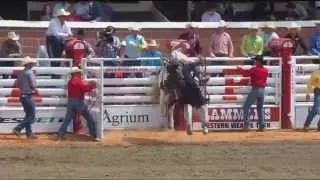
(211, 15)
(267, 35)
(58, 31)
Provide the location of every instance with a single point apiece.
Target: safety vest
(75, 49)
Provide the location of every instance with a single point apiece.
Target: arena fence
(121, 103)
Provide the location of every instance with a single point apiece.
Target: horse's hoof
(205, 131)
(189, 131)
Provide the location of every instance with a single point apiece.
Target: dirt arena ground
(164, 155)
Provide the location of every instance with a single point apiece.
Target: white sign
(133, 116)
(301, 113)
(47, 120)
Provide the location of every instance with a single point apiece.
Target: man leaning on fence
(26, 83)
(76, 90)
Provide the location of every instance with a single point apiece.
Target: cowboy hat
(12, 35)
(62, 12)
(153, 43)
(294, 25)
(28, 60)
(269, 25)
(191, 25)
(254, 26)
(75, 70)
(134, 28)
(222, 23)
(123, 43)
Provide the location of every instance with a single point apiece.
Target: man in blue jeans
(26, 82)
(258, 76)
(313, 85)
(76, 90)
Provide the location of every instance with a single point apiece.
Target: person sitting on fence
(258, 76)
(11, 48)
(252, 43)
(313, 85)
(153, 52)
(76, 90)
(26, 82)
(315, 44)
(58, 32)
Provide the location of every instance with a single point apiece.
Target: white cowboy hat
(270, 25)
(28, 60)
(222, 23)
(75, 70)
(134, 28)
(191, 25)
(153, 43)
(12, 35)
(123, 43)
(254, 26)
(62, 12)
(294, 25)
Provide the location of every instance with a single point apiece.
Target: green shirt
(251, 46)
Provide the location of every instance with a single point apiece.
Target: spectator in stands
(220, 42)
(58, 32)
(61, 5)
(314, 46)
(46, 13)
(106, 12)
(26, 83)
(263, 11)
(73, 16)
(298, 43)
(193, 39)
(252, 43)
(76, 91)
(135, 44)
(295, 11)
(151, 51)
(228, 11)
(211, 14)
(10, 48)
(267, 35)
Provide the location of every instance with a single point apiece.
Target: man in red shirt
(76, 90)
(258, 76)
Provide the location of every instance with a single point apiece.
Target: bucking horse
(178, 82)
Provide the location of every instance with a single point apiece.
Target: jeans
(55, 48)
(255, 94)
(29, 109)
(315, 110)
(73, 106)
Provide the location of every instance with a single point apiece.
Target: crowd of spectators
(79, 10)
(208, 11)
(134, 44)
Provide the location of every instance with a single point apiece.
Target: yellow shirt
(314, 81)
(251, 45)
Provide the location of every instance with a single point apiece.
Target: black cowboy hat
(258, 58)
(110, 29)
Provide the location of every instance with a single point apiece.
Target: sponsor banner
(133, 116)
(301, 113)
(47, 119)
(232, 118)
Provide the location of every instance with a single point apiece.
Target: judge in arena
(76, 90)
(26, 82)
(258, 77)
